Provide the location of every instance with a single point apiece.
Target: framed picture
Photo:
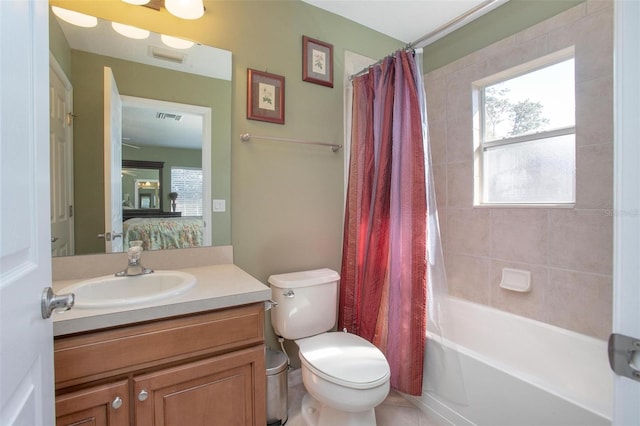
(265, 96)
(317, 61)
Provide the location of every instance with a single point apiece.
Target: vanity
(195, 358)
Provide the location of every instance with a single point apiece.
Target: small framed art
(317, 61)
(265, 96)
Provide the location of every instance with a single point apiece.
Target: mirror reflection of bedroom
(162, 201)
(154, 151)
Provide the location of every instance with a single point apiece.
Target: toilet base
(315, 413)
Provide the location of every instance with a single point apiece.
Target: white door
(112, 164)
(626, 273)
(61, 152)
(26, 340)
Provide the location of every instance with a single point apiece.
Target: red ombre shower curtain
(384, 267)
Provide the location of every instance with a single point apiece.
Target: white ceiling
(408, 20)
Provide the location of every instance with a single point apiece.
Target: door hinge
(70, 211)
(624, 356)
(70, 117)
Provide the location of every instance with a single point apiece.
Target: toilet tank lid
(304, 278)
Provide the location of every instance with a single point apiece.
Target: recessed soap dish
(516, 280)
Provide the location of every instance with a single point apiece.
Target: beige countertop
(217, 286)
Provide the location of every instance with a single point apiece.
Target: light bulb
(129, 31)
(75, 18)
(136, 2)
(175, 42)
(185, 9)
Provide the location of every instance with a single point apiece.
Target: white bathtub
(494, 368)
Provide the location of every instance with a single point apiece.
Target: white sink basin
(111, 291)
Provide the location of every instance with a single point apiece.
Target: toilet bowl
(345, 376)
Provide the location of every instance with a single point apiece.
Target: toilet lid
(345, 359)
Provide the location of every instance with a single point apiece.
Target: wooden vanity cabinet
(201, 369)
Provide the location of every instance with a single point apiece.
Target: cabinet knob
(143, 395)
(116, 403)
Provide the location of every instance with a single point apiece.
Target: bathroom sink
(111, 291)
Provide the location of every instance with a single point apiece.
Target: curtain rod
(365, 69)
(454, 24)
(443, 30)
(246, 137)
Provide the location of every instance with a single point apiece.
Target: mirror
(159, 85)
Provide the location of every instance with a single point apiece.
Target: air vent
(168, 116)
(166, 55)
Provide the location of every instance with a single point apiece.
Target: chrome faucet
(135, 265)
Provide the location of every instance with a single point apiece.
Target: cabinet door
(99, 405)
(225, 390)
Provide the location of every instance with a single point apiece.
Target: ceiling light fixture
(75, 18)
(136, 2)
(130, 31)
(175, 42)
(185, 9)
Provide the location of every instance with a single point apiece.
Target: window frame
(480, 146)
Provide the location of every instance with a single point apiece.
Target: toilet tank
(307, 302)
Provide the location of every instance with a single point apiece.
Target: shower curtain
(383, 292)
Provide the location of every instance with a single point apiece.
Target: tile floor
(395, 410)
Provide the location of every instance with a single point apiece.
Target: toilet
(345, 376)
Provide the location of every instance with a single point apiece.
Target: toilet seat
(344, 359)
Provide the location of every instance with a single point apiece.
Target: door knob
(51, 301)
(143, 395)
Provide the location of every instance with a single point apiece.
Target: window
(526, 134)
(187, 182)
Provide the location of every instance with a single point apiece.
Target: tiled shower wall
(567, 250)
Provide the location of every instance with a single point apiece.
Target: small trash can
(277, 393)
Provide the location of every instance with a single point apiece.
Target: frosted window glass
(539, 171)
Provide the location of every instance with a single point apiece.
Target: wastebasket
(277, 394)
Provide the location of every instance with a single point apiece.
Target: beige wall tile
(565, 18)
(594, 182)
(581, 240)
(594, 111)
(468, 277)
(580, 302)
(459, 92)
(459, 139)
(577, 243)
(468, 231)
(440, 184)
(520, 235)
(436, 95)
(531, 304)
(438, 141)
(487, 53)
(593, 40)
(595, 6)
(460, 184)
(516, 55)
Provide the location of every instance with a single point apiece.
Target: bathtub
(490, 367)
